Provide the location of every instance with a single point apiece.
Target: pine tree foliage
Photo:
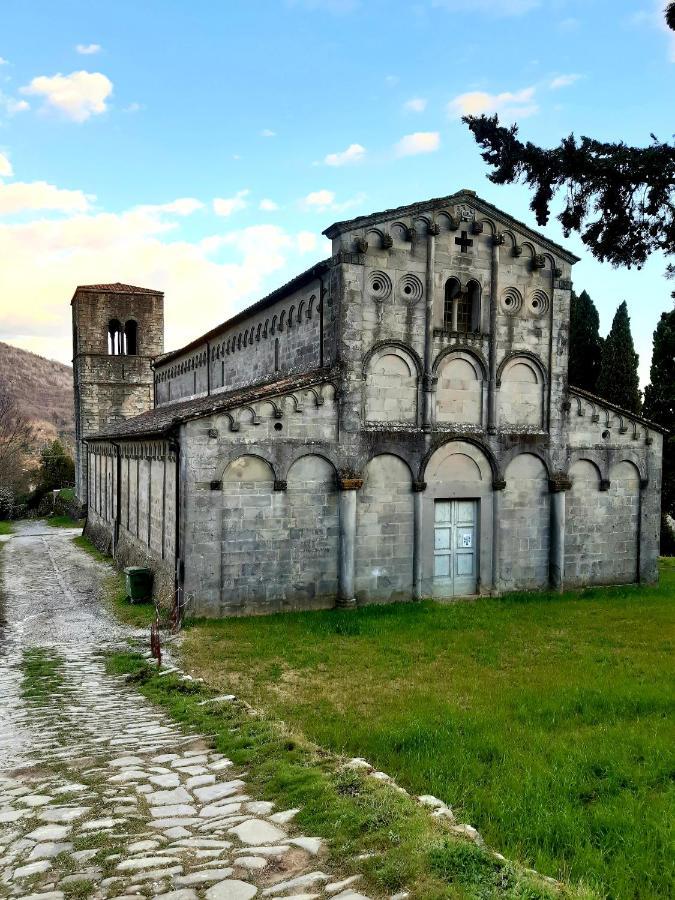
(585, 343)
(618, 380)
(660, 402)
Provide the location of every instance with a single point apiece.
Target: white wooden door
(455, 550)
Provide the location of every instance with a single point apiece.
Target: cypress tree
(660, 408)
(585, 343)
(618, 379)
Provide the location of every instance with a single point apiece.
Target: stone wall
(110, 388)
(384, 531)
(145, 524)
(285, 338)
(524, 526)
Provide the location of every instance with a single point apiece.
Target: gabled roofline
(463, 195)
(594, 398)
(303, 278)
(162, 421)
(115, 288)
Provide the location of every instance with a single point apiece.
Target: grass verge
(139, 615)
(64, 522)
(545, 719)
(42, 675)
(356, 814)
(6, 527)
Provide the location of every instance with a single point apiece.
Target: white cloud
(45, 259)
(88, 49)
(415, 104)
(353, 154)
(183, 206)
(76, 96)
(322, 199)
(391, 80)
(6, 170)
(225, 206)
(501, 9)
(133, 107)
(518, 104)
(19, 196)
(268, 133)
(4, 62)
(561, 81)
(306, 241)
(267, 205)
(16, 106)
(419, 142)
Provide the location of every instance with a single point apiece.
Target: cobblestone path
(100, 794)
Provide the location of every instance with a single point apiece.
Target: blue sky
(202, 147)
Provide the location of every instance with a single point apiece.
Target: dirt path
(100, 794)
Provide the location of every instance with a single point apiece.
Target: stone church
(394, 423)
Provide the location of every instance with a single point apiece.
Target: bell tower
(118, 330)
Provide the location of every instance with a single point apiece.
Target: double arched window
(122, 339)
(461, 308)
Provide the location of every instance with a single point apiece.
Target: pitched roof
(297, 282)
(162, 420)
(594, 398)
(464, 195)
(115, 288)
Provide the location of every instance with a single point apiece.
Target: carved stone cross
(464, 242)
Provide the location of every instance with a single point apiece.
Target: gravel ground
(101, 795)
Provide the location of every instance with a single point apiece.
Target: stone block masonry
(392, 424)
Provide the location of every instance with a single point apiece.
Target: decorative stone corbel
(410, 233)
(644, 482)
(604, 484)
(538, 261)
(498, 239)
(498, 484)
(566, 406)
(476, 227)
(349, 483)
(280, 484)
(557, 272)
(216, 485)
(387, 242)
(434, 228)
(361, 245)
(419, 486)
(517, 250)
(213, 432)
(559, 481)
(453, 223)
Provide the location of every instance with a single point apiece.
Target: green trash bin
(139, 584)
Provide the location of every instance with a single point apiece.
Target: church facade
(394, 423)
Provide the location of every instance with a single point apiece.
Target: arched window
(131, 338)
(461, 310)
(452, 291)
(115, 338)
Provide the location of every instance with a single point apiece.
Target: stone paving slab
(98, 785)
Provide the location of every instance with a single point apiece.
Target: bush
(7, 506)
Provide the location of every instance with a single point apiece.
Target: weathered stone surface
(231, 890)
(257, 831)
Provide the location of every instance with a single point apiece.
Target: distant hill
(43, 391)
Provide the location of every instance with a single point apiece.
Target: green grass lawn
(64, 522)
(5, 527)
(544, 720)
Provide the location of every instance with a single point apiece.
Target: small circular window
(379, 285)
(511, 301)
(278, 426)
(410, 288)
